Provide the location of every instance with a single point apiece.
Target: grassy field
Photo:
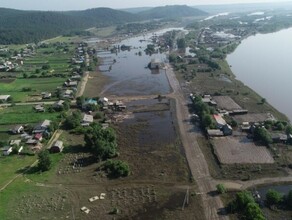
(10, 165)
(24, 115)
(37, 85)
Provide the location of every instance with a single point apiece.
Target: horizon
(56, 5)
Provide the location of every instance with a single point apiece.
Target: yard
(240, 150)
(17, 88)
(24, 115)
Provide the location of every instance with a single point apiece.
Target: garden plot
(74, 163)
(254, 117)
(240, 150)
(226, 102)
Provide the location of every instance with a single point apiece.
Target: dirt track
(194, 155)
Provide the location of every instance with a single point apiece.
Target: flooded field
(127, 68)
(150, 135)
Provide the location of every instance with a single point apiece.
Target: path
(82, 84)
(194, 155)
(241, 185)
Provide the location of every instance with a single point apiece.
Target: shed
(57, 147)
(4, 98)
(227, 129)
(7, 150)
(214, 133)
(17, 129)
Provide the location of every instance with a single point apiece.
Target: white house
(87, 120)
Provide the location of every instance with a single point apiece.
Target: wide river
(264, 63)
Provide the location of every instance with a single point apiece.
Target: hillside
(172, 11)
(18, 27)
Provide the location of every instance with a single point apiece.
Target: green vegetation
(245, 205)
(117, 168)
(44, 163)
(273, 197)
(171, 11)
(261, 134)
(102, 142)
(221, 189)
(34, 26)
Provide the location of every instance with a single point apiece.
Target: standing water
(128, 70)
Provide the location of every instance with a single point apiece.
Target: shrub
(117, 168)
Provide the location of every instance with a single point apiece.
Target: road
(196, 160)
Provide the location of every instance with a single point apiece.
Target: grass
(37, 86)
(10, 164)
(24, 115)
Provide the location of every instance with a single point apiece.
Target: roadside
(196, 160)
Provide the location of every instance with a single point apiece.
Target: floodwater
(156, 127)
(263, 62)
(128, 70)
(283, 189)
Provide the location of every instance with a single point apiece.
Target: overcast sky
(85, 4)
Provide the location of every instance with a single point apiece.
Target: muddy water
(156, 128)
(127, 69)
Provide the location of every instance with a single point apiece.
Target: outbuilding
(57, 147)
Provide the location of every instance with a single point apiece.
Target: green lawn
(11, 164)
(24, 115)
(37, 85)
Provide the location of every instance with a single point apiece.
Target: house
(59, 104)
(68, 93)
(46, 95)
(6, 151)
(215, 133)
(245, 126)
(104, 100)
(4, 98)
(17, 129)
(14, 142)
(41, 127)
(70, 83)
(220, 122)
(87, 120)
(32, 142)
(227, 130)
(39, 108)
(155, 64)
(38, 136)
(279, 138)
(57, 147)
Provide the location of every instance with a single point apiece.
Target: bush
(117, 168)
(221, 189)
(273, 197)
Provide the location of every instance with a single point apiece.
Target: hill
(18, 27)
(171, 11)
(136, 10)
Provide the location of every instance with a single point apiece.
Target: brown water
(128, 74)
(264, 63)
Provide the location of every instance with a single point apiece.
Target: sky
(63, 5)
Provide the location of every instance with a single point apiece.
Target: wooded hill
(18, 27)
(171, 11)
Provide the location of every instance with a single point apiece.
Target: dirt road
(82, 84)
(194, 155)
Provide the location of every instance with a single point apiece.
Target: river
(263, 62)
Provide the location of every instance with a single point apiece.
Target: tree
(117, 168)
(289, 129)
(101, 141)
(181, 43)
(254, 212)
(273, 197)
(80, 101)
(206, 120)
(242, 200)
(221, 189)
(44, 163)
(261, 134)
